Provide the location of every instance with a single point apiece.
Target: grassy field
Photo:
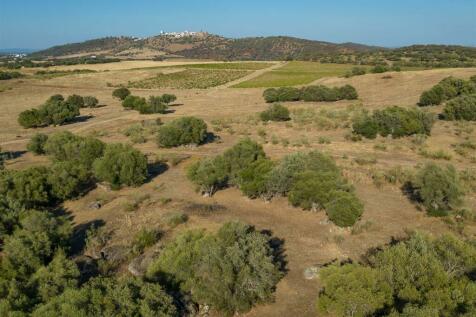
(295, 73)
(239, 65)
(190, 78)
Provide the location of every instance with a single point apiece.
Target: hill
(205, 46)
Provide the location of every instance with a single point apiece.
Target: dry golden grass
(309, 239)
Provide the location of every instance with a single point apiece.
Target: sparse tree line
(311, 181)
(378, 69)
(310, 93)
(418, 276)
(155, 104)
(56, 111)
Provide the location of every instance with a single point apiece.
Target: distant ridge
(204, 46)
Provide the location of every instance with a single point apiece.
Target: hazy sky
(43, 23)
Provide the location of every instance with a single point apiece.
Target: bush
(182, 131)
(446, 89)
(76, 101)
(240, 156)
(143, 239)
(37, 143)
(319, 93)
(253, 179)
(439, 189)
(461, 108)
(282, 94)
(218, 269)
(90, 102)
(209, 175)
(69, 179)
(121, 93)
(121, 165)
(394, 121)
(275, 112)
(134, 102)
(9, 75)
(158, 105)
(283, 175)
(379, 69)
(344, 209)
(353, 290)
(65, 146)
(55, 111)
(168, 98)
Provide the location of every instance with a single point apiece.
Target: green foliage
(446, 89)
(344, 208)
(69, 179)
(283, 175)
(122, 297)
(240, 156)
(121, 93)
(395, 121)
(9, 75)
(310, 93)
(356, 71)
(65, 146)
(253, 179)
(90, 102)
(182, 131)
(275, 112)
(76, 101)
(158, 105)
(59, 275)
(55, 111)
(353, 290)
(143, 239)
(379, 69)
(438, 188)
(417, 277)
(168, 98)
(208, 175)
(121, 165)
(218, 268)
(461, 108)
(134, 102)
(37, 143)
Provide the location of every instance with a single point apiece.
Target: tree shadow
(210, 138)
(278, 250)
(11, 155)
(78, 238)
(155, 169)
(80, 119)
(176, 105)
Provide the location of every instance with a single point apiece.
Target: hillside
(205, 46)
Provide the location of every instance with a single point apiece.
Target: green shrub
(461, 108)
(174, 219)
(121, 93)
(438, 188)
(353, 290)
(69, 179)
(134, 102)
(168, 98)
(65, 146)
(76, 101)
(208, 175)
(121, 165)
(37, 143)
(379, 69)
(253, 179)
(182, 131)
(319, 93)
(143, 239)
(275, 112)
(32, 118)
(240, 156)
(344, 209)
(446, 89)
(394, 121)
(310, 93)
(217, 269)
(158, 105)
(347, 92)
(9, 75)
(90, 102)
(282, 94)
(283, 175)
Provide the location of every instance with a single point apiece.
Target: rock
(311, 272)
(138, 266)
(115, 253)
(95, 205)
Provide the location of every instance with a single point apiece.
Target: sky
(40, 24)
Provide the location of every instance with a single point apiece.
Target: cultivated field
(231, 114)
